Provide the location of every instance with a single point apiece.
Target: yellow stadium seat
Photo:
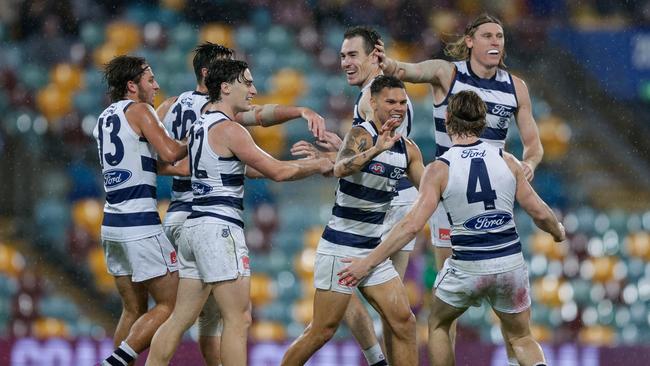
(262, 289)
(597, 335)
(542, 243)
(546, 291)
(603, 268)
(67, 77)
(49, 327)
(312, 236)
(268, 331)
(270, 139)
(97, 263)
(12, 261)
(175, 5)
(217, 33)
(304, 263)
(53, 102)
(288, 82)
(88, 215)
(638, 245)
(124, 35)
(303, 310)
(554, 134)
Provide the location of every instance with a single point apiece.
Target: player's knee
(403, 325)
(323, 334)
(133, 310)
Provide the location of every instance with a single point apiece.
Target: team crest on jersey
(200, 189)
(116, 177)
(377, 168)
(187, 102)
(488, 221)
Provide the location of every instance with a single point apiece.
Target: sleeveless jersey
(128, 164)
(362, 200)
(178, 121)
(406, 192)
(499, 95)
(479, 201)
(217, 182)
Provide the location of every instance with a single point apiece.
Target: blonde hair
(458, 49)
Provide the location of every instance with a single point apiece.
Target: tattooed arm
(358, 150)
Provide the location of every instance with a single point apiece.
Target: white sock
(373, 354)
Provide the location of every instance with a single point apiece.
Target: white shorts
(327, 266)
(507, 292)
(142, 259)
(440, 228)
(393, 216)
(213, 252)
(209, 322)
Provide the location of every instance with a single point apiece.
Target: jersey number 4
(199, 135)
(113, 158)
(478, 176)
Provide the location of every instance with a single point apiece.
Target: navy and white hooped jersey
(479, 200)
(406, 192)
(499, 95)
(217, 182)
(179, 119)
(362, 199)
(129, 168)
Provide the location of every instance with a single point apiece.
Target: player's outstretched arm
(429, 71)
(416, 165)
(542, 215)
(434, 182)
(533, 150)
(358, 150)
(239, 141)
(145, 122)
(273, 114)
(180, 168)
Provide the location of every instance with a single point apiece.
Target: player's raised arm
(542, 215)
(429, 71)
(274, 114)
(533, 150)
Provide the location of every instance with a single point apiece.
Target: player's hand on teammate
(326, 167)
(330, 142)
(355, 272)
(529, 172)
(305, 150)
(315, 122)
(380, 53)
(386, 141)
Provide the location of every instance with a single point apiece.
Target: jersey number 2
(194, 160)
(478, 175)
(182, 120)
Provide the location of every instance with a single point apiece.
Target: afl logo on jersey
(488, 221)
(377, 168)
(115, 177)
(200, 189)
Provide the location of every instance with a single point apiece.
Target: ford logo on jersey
(377, 168)
(200, 189)
(488, 221)
(115, 177)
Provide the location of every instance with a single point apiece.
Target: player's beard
(143, 97)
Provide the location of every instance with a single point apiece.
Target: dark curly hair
(223, 71)
(384, 81)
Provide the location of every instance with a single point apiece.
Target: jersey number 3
(116, 157)
(478, 176)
